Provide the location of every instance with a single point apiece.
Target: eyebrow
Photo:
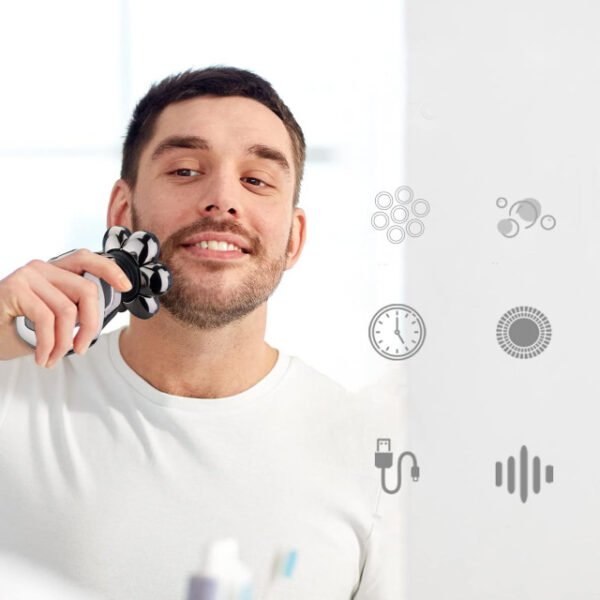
(197, 143)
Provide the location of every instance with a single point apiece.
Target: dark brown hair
(215, 80)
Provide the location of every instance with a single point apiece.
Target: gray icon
(523, 214)
(523, 332)
(397, 331)
(400, 214)
(522, 477)
(384, 459)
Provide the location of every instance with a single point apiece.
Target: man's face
(202, 192)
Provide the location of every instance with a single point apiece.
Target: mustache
(212, 224)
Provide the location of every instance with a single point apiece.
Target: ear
(119, 206)
(297, 238)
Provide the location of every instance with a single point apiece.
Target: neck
(197, 363)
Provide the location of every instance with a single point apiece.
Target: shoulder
(320, 395)
(313, 380)
(9, 371)
(382, 401)
(362, 415)
(22, 379)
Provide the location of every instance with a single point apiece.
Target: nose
(216, 208)
(222, 195)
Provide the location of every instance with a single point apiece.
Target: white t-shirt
(119, 487)
(21, 579)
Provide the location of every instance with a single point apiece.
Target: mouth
(216, 250)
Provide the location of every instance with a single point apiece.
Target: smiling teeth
(214, 245)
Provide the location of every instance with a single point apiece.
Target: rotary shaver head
(136, 254)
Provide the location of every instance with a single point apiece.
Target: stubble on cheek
(209, 306)
(237, 293)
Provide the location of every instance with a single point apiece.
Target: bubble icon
(523, 214)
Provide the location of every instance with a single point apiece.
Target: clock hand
(397, 332)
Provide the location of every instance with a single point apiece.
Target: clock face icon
(397, 331)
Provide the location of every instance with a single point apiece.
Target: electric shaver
(136, 254)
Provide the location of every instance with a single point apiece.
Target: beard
(199, 307)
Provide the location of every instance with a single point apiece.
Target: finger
(59, 292)
(38, 311)
(82, 260)
(87, 303)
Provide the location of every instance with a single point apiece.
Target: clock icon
(397, 331)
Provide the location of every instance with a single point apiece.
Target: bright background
(503, 101)
(465, 101)
(73, 72)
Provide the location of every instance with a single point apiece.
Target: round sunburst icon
(523, 332)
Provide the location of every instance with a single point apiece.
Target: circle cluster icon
(400, 215)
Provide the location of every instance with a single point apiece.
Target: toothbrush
(284, 566)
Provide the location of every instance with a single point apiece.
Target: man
(119, 466)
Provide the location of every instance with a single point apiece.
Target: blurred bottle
(223, 576)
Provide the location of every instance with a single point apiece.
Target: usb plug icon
(384, 459)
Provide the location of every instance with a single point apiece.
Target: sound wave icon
(524, 473)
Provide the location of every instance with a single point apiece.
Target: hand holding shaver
(136, 254)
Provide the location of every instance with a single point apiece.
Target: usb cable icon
(384, 459)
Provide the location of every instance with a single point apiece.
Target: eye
(184, 172)
(255, 179)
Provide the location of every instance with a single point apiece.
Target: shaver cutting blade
(137, 255)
